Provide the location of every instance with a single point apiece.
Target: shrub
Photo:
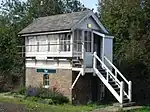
(56, 97)
(20, 90)
(42, 95)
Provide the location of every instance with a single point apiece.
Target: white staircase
(115, 82)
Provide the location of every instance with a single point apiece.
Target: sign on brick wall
(46, 70)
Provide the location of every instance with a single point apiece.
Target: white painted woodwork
(75, 81)
(86, 21)
(119, 97)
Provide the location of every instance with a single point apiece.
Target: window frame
(46, 82)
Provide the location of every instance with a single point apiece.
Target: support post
(76, 80)
(103, 48)
(121, 92)
(94, 62)
(72, 43)
(130, 91)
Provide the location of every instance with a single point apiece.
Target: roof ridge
(55, 22)
(63, 14)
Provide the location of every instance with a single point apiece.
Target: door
(88, 49)
(97, 45)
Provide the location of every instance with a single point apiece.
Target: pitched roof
(55, 22)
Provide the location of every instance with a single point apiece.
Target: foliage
(39, 107)
(129, 22)
(42, 95)
(16, 15)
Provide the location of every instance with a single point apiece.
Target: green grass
(144, 109)
(39, 107)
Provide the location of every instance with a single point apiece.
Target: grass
(39, 107)
(144, 109)
(32, 106)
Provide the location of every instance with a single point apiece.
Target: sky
(88, 3)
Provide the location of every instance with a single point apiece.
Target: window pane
(45, 80)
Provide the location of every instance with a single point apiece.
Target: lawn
(33, 106)
(39, 107)
(144, 109)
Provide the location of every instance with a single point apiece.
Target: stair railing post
(107, 75)
(94, 62)
(130, 91)
(116, 73)
(121, 92)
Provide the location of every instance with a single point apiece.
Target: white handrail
(119, 83)
(117, 70)
(107, 68)
(108, 85)
(129, 94)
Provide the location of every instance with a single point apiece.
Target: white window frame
(65, 42)
(46, 81)
(88, 41)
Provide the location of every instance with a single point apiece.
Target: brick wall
(60, 81)
(85, 90)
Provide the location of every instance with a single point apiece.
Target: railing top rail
(107, 69)
(50, 44)
(117, 70)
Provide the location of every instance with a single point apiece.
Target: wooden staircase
(115, 82)
(111, 81)
(76, 63)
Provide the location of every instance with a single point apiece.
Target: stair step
(77, 63)
(114, 85)
(124, 104)
(124, 99)
(116, 88)
(112, 82)
(128, 104)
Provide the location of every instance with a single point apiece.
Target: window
(87, 39)
(65, 42)
(46, 81)
(53, 43)
(77, 40)
(32, 45)
(42, 43)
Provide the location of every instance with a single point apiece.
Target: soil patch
(8, 107)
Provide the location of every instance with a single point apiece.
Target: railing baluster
(129, 83)
(121, 92)
(130, 91)
(94, 60)
(116, 73)
(107, 75)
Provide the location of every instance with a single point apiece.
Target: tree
(14, 16)
(129, 22)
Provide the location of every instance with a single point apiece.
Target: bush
(42, 95)
(56, 97)
(21, 90)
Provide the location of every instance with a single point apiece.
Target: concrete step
(128, 104)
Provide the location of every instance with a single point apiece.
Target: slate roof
(54, 23)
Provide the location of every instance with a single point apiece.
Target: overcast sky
(88, 3)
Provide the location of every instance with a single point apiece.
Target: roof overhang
(44, 33)
(102, 34)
